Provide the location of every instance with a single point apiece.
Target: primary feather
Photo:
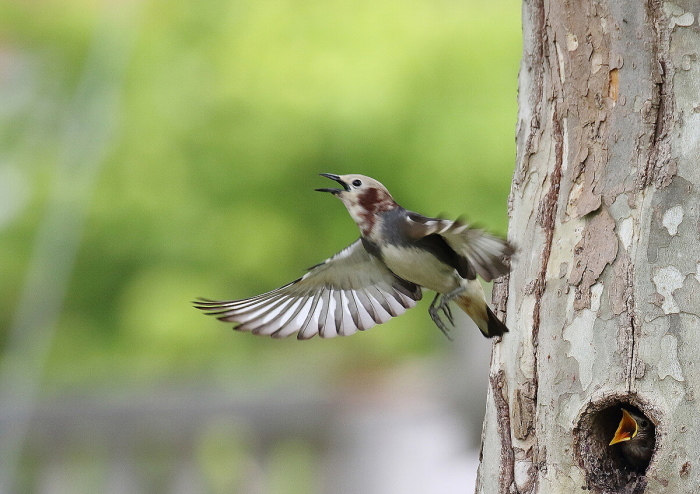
(348, 292)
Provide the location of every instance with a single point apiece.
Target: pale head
(364, 197)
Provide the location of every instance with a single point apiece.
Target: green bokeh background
(222, 117)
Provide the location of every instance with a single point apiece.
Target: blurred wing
(484, 252)
(352, 290)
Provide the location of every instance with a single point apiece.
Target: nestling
(380, 275)
(635, 437)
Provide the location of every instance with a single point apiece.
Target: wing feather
(348, 292)
(486, 253)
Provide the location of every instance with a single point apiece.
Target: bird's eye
(644, 423)
(356, 183)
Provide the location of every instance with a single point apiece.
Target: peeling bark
(500, 394)
(596, 250)
(603, 299)
(659, 167)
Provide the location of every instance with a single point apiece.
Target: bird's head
(631, 426)
(635, 437)
(364, 197)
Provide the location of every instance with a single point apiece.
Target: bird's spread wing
(484, 252)
(351, 290)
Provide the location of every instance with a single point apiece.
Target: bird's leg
(434, 312)
(449, 297)
(444, 306)
(447, 310)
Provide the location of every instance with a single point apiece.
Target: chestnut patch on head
(373, 201)
(367, 199)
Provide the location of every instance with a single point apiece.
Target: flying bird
(380, 275)
(635, 437)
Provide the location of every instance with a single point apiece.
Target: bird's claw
(447, 310)
(434, 312)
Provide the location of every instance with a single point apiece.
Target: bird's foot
(447, 310)
(443, 305)
(434, 312)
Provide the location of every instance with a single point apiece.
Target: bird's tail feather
(483, 316)
(495, 326)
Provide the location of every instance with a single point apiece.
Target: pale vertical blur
(153, 152)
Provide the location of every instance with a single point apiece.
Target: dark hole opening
(619, 467)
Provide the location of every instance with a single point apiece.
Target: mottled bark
(603, 299)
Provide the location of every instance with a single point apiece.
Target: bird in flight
(380, 275)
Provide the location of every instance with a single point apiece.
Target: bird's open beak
(626, 430)
(337, 179)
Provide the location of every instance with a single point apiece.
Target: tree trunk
(603, 300)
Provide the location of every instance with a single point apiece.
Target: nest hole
(619, 467)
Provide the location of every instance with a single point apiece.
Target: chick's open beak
(626, 430)
(337, 179)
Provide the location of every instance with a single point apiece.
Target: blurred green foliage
(229, 110)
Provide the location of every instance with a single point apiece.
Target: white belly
(421, 268)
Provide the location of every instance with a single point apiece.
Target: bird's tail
(482, 315)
